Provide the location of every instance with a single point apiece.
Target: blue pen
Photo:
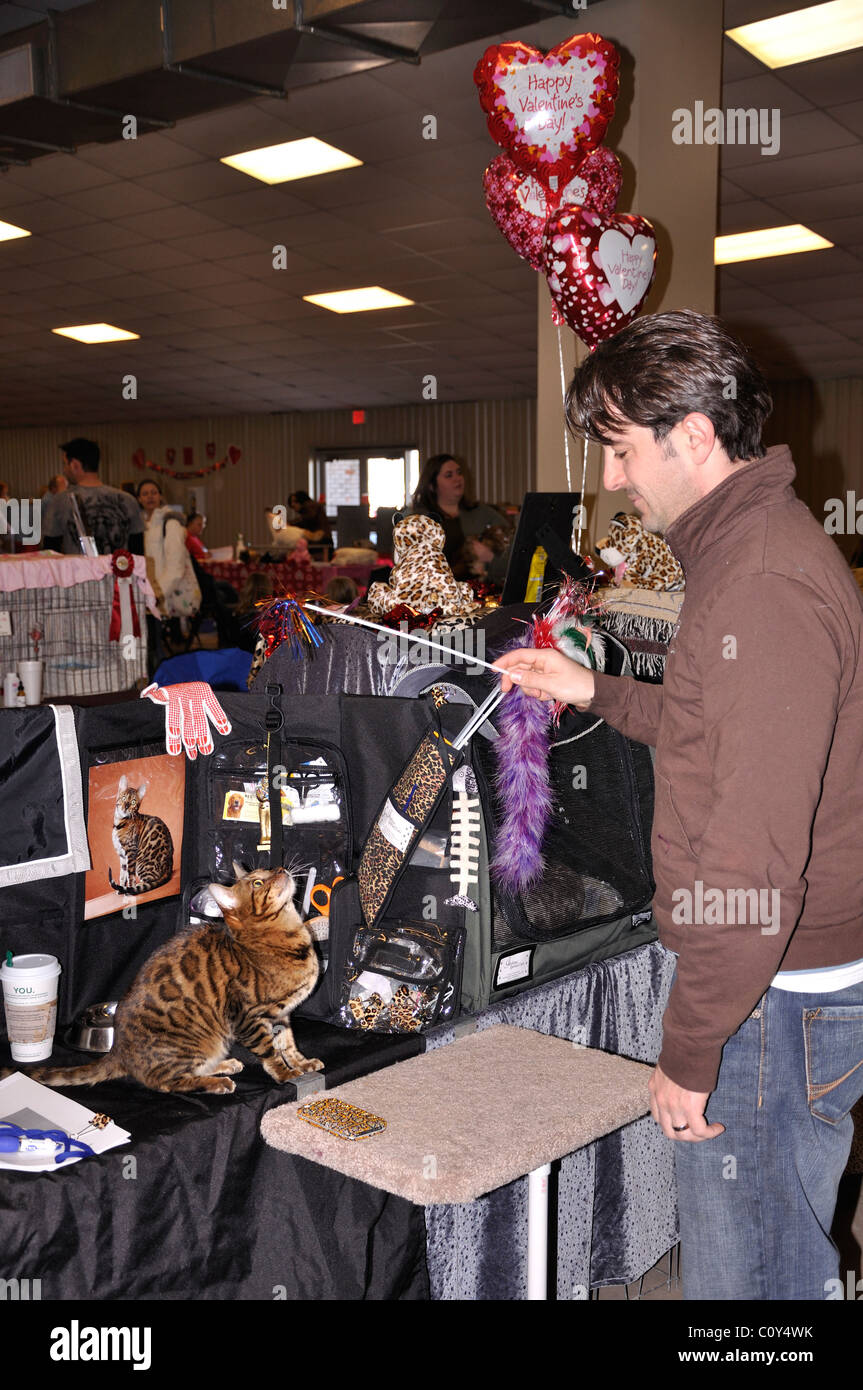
(48, 1142)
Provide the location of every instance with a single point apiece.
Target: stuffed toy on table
(647, 560)
(421, 576)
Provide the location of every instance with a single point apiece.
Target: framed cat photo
(135, 832)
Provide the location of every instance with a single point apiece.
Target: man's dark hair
(86, 451)
(661, 367)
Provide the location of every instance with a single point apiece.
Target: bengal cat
(143, 843)
(211, 986)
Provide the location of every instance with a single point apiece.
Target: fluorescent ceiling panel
(293, 159)
(769, 241)
(358, 301)
(95, 333)
(815, 32)
(8, 231)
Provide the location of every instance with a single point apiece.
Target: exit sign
(358, 417)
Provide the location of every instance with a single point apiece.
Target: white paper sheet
(33, 1106)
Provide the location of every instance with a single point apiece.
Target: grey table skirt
(616, 1199)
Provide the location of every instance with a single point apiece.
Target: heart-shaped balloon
(520, 205)
(549, 110)
(234, 454)
(599, 269)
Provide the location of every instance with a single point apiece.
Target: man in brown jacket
(758, 730)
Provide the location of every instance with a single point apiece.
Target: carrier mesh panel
(597, 845)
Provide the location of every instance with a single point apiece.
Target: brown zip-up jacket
(758, 730)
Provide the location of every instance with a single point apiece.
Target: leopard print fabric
(420, 575)
(414, 796)
(650, 563)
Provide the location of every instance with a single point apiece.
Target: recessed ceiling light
(815, 32)
(770, 241)
(95, 333)
(357, 301)
(8, 231)
(294, 159)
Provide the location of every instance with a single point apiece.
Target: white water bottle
(10, 690)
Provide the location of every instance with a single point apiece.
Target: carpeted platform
(470, 1117)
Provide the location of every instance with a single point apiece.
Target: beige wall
(496, 438)
(822, 423)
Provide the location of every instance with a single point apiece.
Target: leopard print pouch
(402, 819)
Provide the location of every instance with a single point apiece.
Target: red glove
(188, 709)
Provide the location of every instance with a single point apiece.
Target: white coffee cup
(30, 1000)
(31, 679)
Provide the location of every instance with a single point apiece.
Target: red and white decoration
(599, 270)
(553, 193)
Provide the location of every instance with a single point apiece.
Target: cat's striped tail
(133, 892)
(103, 1069)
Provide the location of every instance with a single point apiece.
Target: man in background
(110, 516)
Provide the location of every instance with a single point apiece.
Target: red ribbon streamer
(122, 567)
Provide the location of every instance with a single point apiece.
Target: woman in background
(195, 524)
(169, 562)
(443, 492)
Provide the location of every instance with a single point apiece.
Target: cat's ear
(142, 791)
(123, 783)
(240, 870)
(224, 896)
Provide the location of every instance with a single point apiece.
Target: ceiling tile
(118, 199)
(256, 204)
(764, 89)
(151, 153)
(790, 137)
(56, 176)
(238, 290)
(226, 243)
(97, 236)
(746, 217)
(771, 178)
(172, 222)
(149, 257)
(827, 81)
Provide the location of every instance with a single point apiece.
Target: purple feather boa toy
(523, 787)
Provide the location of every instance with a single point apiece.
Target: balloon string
(581, 506)
(563, 398)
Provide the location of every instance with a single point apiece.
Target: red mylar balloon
(549, 110)
(599, 269)
(519, 204)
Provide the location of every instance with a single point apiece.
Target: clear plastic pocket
(401, 978)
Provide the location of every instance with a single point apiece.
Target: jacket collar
(762, 483)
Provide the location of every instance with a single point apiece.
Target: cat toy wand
(300, 626)
(388, 632)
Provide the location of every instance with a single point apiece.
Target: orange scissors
(326, 892)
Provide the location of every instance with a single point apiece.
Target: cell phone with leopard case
(339, 1118)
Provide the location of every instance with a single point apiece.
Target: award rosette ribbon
(124, 614)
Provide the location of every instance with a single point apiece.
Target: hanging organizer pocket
(401, 977)
(311, 778)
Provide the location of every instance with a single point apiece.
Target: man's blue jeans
(757, 1202)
